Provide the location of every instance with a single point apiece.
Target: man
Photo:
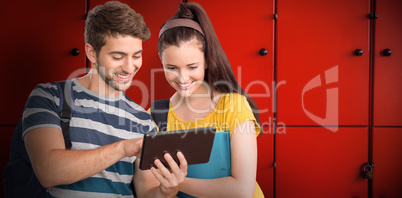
(106, 127)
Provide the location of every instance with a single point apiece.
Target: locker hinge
(275, 16)
(274, 164)
(373, 15)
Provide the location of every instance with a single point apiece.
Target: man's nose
(129, 65)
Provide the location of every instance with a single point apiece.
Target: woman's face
(184, 68)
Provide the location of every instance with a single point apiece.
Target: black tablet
(195, 144)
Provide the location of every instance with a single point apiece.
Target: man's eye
(117, 58)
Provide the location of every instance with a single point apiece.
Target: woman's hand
(170, 179)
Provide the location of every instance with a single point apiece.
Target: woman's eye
(193, 67)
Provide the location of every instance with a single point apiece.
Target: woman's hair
(113, 19)
(219, 74)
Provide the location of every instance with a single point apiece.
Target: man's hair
(113, 19)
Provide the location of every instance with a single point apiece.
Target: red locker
(243, 30)
(323, 82)
(388, 64)
(37, 39)
(314, 162)
(387, 151)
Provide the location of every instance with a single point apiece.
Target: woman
(207, 94)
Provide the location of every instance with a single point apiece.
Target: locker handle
(75, 52)
(387, 52)
(358, 52)
(263, 52)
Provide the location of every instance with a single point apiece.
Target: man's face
(119, 60)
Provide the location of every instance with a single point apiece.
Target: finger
(163, 170)
(183, 161)
(157, 174)
(172, 163)
(156, 169)
(164, 176)
(181, 173)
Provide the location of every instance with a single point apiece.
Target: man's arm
(54, 165)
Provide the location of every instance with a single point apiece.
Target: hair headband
(181, 23)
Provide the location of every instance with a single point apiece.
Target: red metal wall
(331, 110)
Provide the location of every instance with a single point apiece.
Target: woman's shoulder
(233, 98)
(233, 103)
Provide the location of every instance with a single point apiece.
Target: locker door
(387, 150)
(323, 81)
(265, 169)
(314, 162)
(388, 67)
(243, 30)
(37, 39)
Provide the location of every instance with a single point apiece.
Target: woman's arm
(244, 168)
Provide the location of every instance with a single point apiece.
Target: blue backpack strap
(159, 112)
(65, 112)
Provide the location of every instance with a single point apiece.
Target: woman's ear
(90, 52)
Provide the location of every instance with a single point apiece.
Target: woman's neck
(196, 106)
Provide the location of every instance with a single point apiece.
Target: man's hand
(132, 147)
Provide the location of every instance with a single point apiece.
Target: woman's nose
(183, 76)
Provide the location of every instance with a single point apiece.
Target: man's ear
(90, 52)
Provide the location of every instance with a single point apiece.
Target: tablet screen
(195, 144)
